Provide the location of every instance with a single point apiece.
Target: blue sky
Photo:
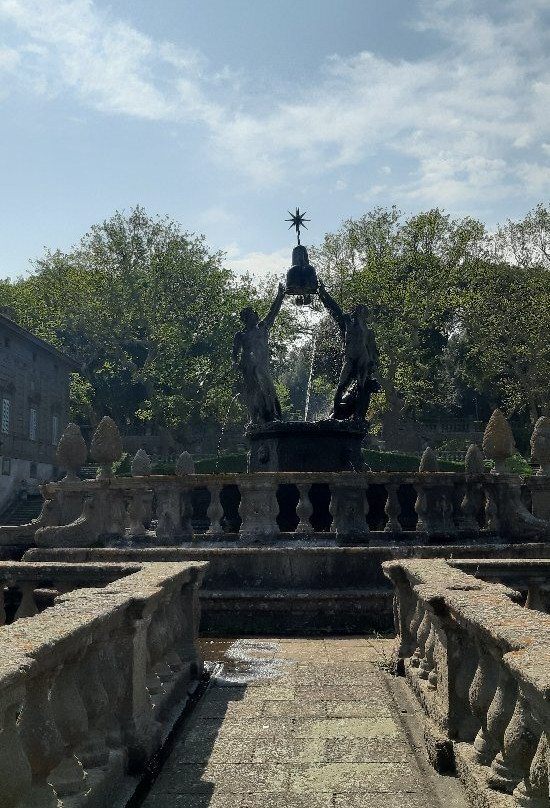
(224, 114)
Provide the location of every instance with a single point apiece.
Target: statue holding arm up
(360, 359)
(251, 357)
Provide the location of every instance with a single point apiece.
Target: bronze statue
(251, 357)
(356, 383)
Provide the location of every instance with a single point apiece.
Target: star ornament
(297, 220)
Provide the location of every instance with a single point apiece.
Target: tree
(400, 268)
(148, 310)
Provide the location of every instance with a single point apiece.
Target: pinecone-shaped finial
(498, 441)
(71, 452)
(540, 444)
(106, 447)
(473, 462)
(428, 461)
(141, 464)
(185, 464)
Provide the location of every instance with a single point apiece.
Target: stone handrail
(419, 506)
(530, 576)
(478, 664)
(22, 583)
(90, 687)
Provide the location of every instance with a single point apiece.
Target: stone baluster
(140, 731)
(258, 508)
(416, 619)
(71, 718)
(27, 607)
(188, 611)
(473, 493)
(492, 520)
(112, 680)
(468, 723)
(500, 710)
(521, 738)
(421, 638)
(304, 509)
(215, 510)
(426, 664)
(186, 512)
(136, 514)
(392, 509)
(158, 671)
(421, 508)
(40, 737)
(532, 791)
(93, 752)
(15, 769)
(349, 508)
(481, 694)
(173, 628)
(168, 513)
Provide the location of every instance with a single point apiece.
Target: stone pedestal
(307, 446)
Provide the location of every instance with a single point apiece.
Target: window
(55, 429)
(5, 415)
(33, 423)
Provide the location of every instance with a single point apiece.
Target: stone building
(34, 408)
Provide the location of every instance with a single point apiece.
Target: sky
(226, 114)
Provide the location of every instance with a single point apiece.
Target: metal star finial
(297, 220)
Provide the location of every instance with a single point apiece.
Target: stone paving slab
(314, 728)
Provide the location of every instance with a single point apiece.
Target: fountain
(332, 444)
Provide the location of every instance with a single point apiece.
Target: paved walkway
(297, 724)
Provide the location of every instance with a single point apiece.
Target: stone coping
(356, 478)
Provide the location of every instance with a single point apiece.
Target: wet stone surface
(293, 723)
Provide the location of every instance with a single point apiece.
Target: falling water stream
(225, 420)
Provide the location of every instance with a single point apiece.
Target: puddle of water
(240, 662)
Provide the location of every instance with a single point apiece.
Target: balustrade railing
(90, 687)
(368, 506)
(478, 663)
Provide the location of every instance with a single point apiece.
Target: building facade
(34, 408)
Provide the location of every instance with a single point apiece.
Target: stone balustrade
(477, 662)
(90, 687)
(379, 507)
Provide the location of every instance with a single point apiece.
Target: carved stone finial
(498, 441)
(71, 452)
(141, 464)
(106, 447)
(473, 462)
(428, 461)
(540, 445)
(185, 464)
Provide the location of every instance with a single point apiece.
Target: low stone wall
(478, 663)
(292, 589)
(90, 687)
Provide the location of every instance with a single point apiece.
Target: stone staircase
(22, 511)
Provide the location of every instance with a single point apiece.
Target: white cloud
(467, 119)
(258, 264)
